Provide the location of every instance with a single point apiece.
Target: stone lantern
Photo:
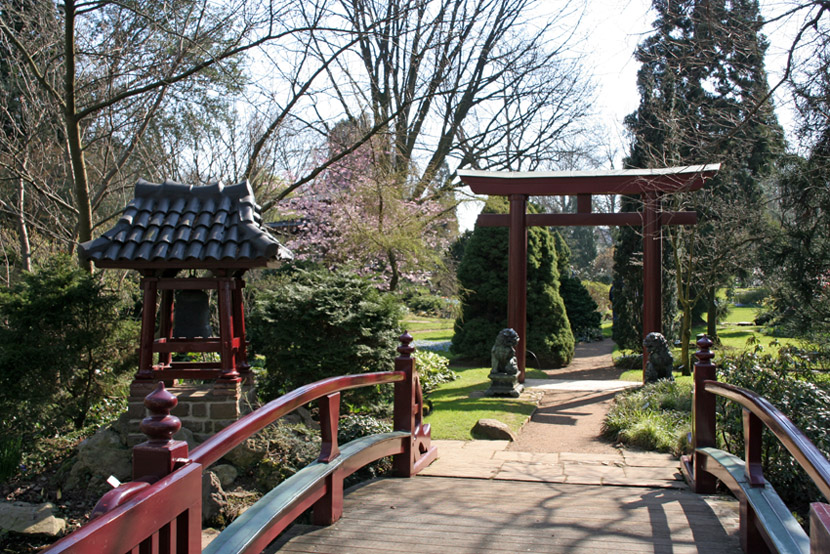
(186, 241)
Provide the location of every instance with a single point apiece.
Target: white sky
(612, 31)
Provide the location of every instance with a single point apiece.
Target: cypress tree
(702, 83)
(482, 275)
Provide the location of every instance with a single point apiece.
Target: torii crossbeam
(650, 184)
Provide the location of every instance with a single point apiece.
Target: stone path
(493, 460)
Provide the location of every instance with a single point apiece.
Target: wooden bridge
(474, 499)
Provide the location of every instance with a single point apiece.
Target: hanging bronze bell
(192, 315)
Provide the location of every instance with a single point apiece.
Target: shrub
(63, 346)
(422, 302)
(317, 323)
(482, 274)
(629, 361)
(656, 416)
(433, 370)
(786, 381)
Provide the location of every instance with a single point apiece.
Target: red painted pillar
(517, 277)
(703, 414)
(148, 328)
(652, 268)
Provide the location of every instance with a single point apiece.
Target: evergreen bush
(65, 341)
(316, 323)
(582, 311)
(482, 275)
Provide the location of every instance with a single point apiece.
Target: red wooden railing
(159, 512)
(703, 471)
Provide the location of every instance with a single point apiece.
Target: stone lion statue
(503, 354)
(660, 360)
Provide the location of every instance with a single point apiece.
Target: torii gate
(650, 184)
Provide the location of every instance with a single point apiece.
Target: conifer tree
(482, 276)
(702, 100)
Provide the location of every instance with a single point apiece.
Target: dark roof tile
(171, 224)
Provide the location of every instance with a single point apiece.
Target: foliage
(420, 301)
(600, 293)
(358, 215)
(750, 297)
(656, 416)
(582, 311)
(787, 382)
(64, 342)
(433, 371)
(797, 265)
(316, 323)
(703, 91)
(629, 361)
(483, 278)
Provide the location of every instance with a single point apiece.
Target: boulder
(101, 455)
(226, 473)
(30, 519)
(248, 454)
(492, 429)
(214, 500)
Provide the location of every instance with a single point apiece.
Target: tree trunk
(393, 266)
(23, 231)
(712, 315)
(73, 134)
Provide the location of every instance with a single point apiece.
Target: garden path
(576, 398)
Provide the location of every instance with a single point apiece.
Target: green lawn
(414, 323)
(456, 406)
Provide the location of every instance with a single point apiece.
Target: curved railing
(232, 436)
(160, 510)
(794, 440)
(766, 524)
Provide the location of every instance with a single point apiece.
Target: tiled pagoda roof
(171, 225)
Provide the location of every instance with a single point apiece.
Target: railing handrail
(233, 435)
(808, 456)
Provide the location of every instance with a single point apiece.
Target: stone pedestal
(503, 384)
(204, 409)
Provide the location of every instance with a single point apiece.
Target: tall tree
(703, 99)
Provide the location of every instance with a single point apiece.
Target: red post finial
(405, 350)
(704, 355)
(160, 426)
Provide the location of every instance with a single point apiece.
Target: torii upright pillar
(517, 276)
(650, 184)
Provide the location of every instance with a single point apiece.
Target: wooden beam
(517, 277)
(568, 183)
(626, 219)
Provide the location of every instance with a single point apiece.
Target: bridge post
(329, 508)
(160, 454)
(819, 528)
(703, 414)
(409, 415)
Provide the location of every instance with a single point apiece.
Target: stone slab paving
(492, 460)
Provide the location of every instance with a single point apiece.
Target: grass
(440, 334)
(456, 408)
(414, 323)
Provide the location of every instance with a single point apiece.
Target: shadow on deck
(439, 515)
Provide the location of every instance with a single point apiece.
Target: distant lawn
(455, 412)
(420, 323)
(441, 334)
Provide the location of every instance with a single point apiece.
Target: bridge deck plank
(479, 516)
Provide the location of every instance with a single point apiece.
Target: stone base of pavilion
(203, 408)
